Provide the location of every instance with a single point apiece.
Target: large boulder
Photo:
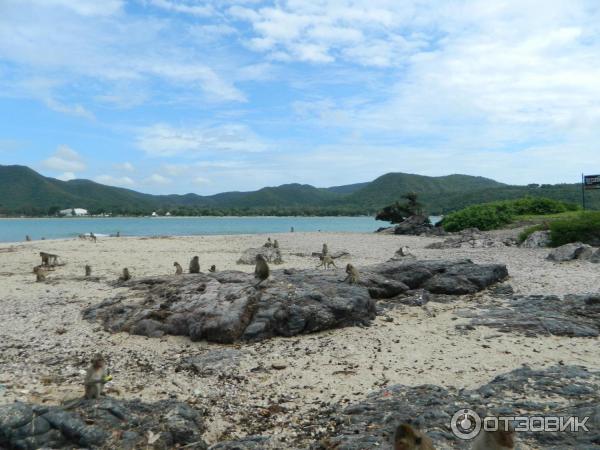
(271, 254)
(226, 307)
(569, 252)
(537, 239)
(116, 424)
(414, 225)
(552, 391)
(538, 315)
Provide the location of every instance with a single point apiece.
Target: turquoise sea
(14, 230)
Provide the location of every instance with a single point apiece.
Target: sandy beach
(45, 344)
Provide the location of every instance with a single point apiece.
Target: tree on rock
(397, 212)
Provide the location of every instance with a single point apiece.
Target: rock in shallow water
(224, 307)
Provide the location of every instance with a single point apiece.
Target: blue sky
(176, 96)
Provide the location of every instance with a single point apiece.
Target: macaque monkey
(125, 276)
(93, 237)
(28, 238)
(118, 234)
(48, 259)
(195, 265)
(178, 268)
(213, 268)
(261, 270)
(325, 250)
(40, 274)
(88, 270)
(275, 243)
(409, 438)
(268, 243)
(327, 262)
(494, 440)
(291, 229)
(95, 378)
(352, 277)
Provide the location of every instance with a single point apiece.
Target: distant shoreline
(180, 217)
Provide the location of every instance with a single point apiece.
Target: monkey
(93, 237)
(28, 238)
(327, 262)
(213, 268)
(178, 268)
(48, 259)
(352, 274)
(494, 440)
(261, 270)
(195, 265)
(408, 438)
(325, 250)
(126, 275)
(291, 229)
(40, 274)
(118, 234)
(268, 243)
(275, 243)
(88, 270)
(95, 378)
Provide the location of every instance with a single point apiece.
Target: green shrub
(583, 228)
(530, 230)
(489, 216)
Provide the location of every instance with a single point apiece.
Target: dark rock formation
(574, 315)
(575, 250)
(537, 239)
(271, 254)
(416, 226)
(561, 390)
(105, 423)
(224, 307)
(471, 238)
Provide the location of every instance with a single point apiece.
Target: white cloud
(165, 140)
(182, 7)
(67, 176)
(158, 179)
(125, 167)
(112, 180)
(201, 181)
(73, 110)
(65, 159)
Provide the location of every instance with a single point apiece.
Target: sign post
(588, 182)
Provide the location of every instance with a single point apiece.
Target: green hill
(26, 192)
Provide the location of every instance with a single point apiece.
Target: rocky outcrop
(537, 315)
(271, 254)
(416, 226)
(537, 239)
(225, 307)
(471, 238)
(105, 423)
(575, 250)
(566, 391)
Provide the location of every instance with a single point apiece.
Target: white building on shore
(74, 212)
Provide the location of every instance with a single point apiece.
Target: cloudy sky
(176, 96)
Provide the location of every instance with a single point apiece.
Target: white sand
(421, 345)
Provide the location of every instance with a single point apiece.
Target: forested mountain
(25, 192)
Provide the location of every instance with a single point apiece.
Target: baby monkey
(178, 268)
(96, 377)
(261, 270)
(409, 438)
(494, 440)
(40, 274)
(213, 268)
(125, 276)
(327, 262)
(352, 276)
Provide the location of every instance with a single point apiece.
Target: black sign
(591, 181)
